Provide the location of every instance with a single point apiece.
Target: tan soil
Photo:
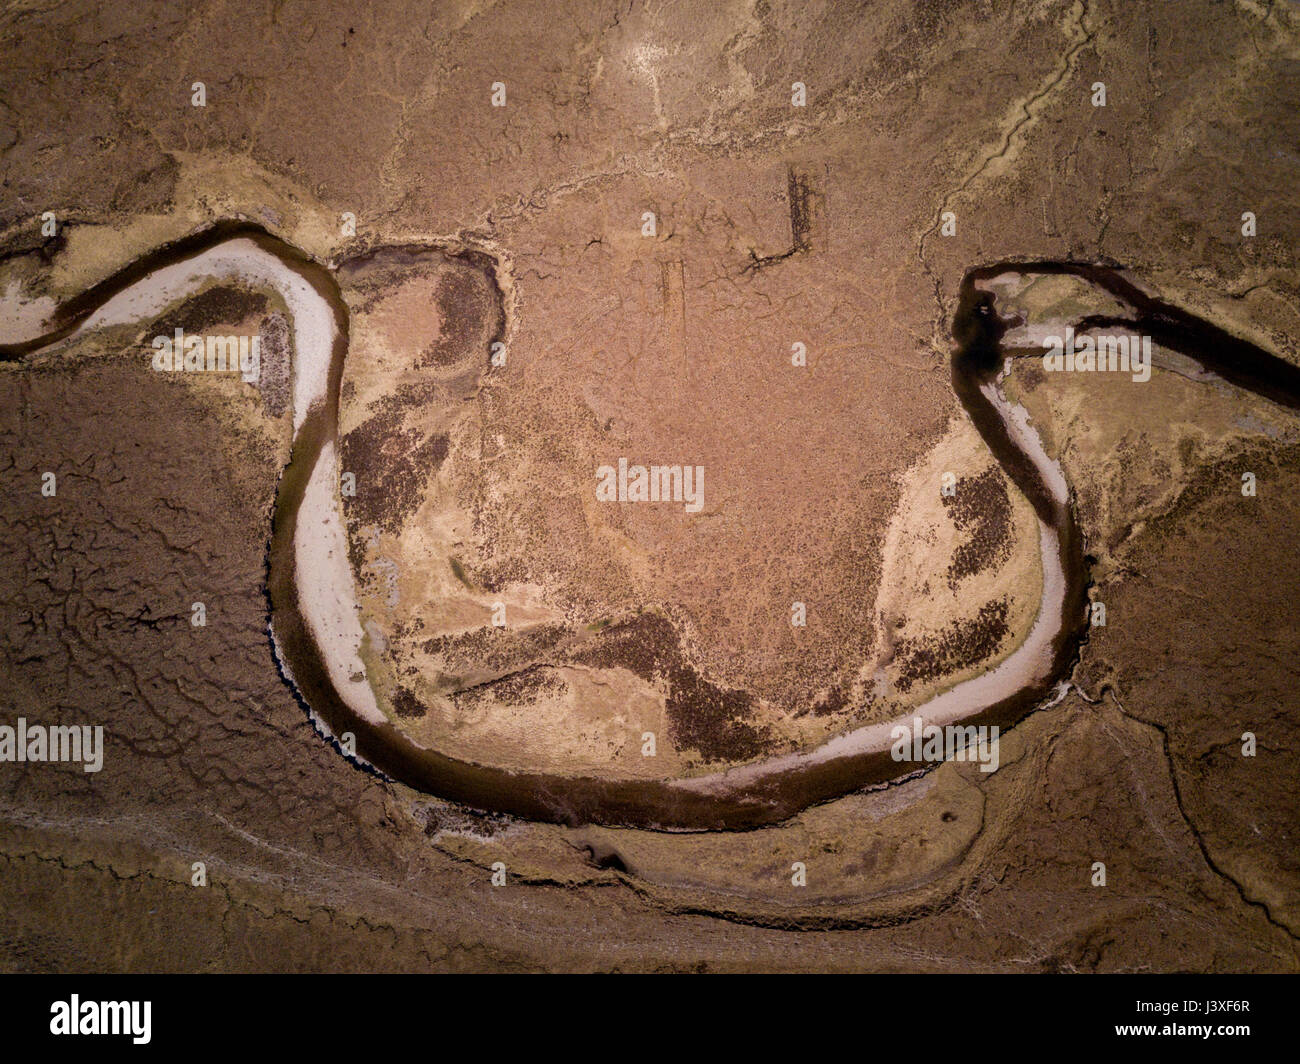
(774, 225)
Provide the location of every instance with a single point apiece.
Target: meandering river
(315, 625)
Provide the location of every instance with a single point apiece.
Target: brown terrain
(513, 326)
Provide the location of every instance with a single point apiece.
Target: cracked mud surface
(774, 225)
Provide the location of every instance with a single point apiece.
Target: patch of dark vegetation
(219, 305)
(470, 307)
(712, 719)
(358, 541)
(392, 466)
(959, 645)
(982, 509)
(643, 645)
(830, 703)
(275, 369)
(403, 398)
(406, 705)
(497, 576)
(702, 716)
